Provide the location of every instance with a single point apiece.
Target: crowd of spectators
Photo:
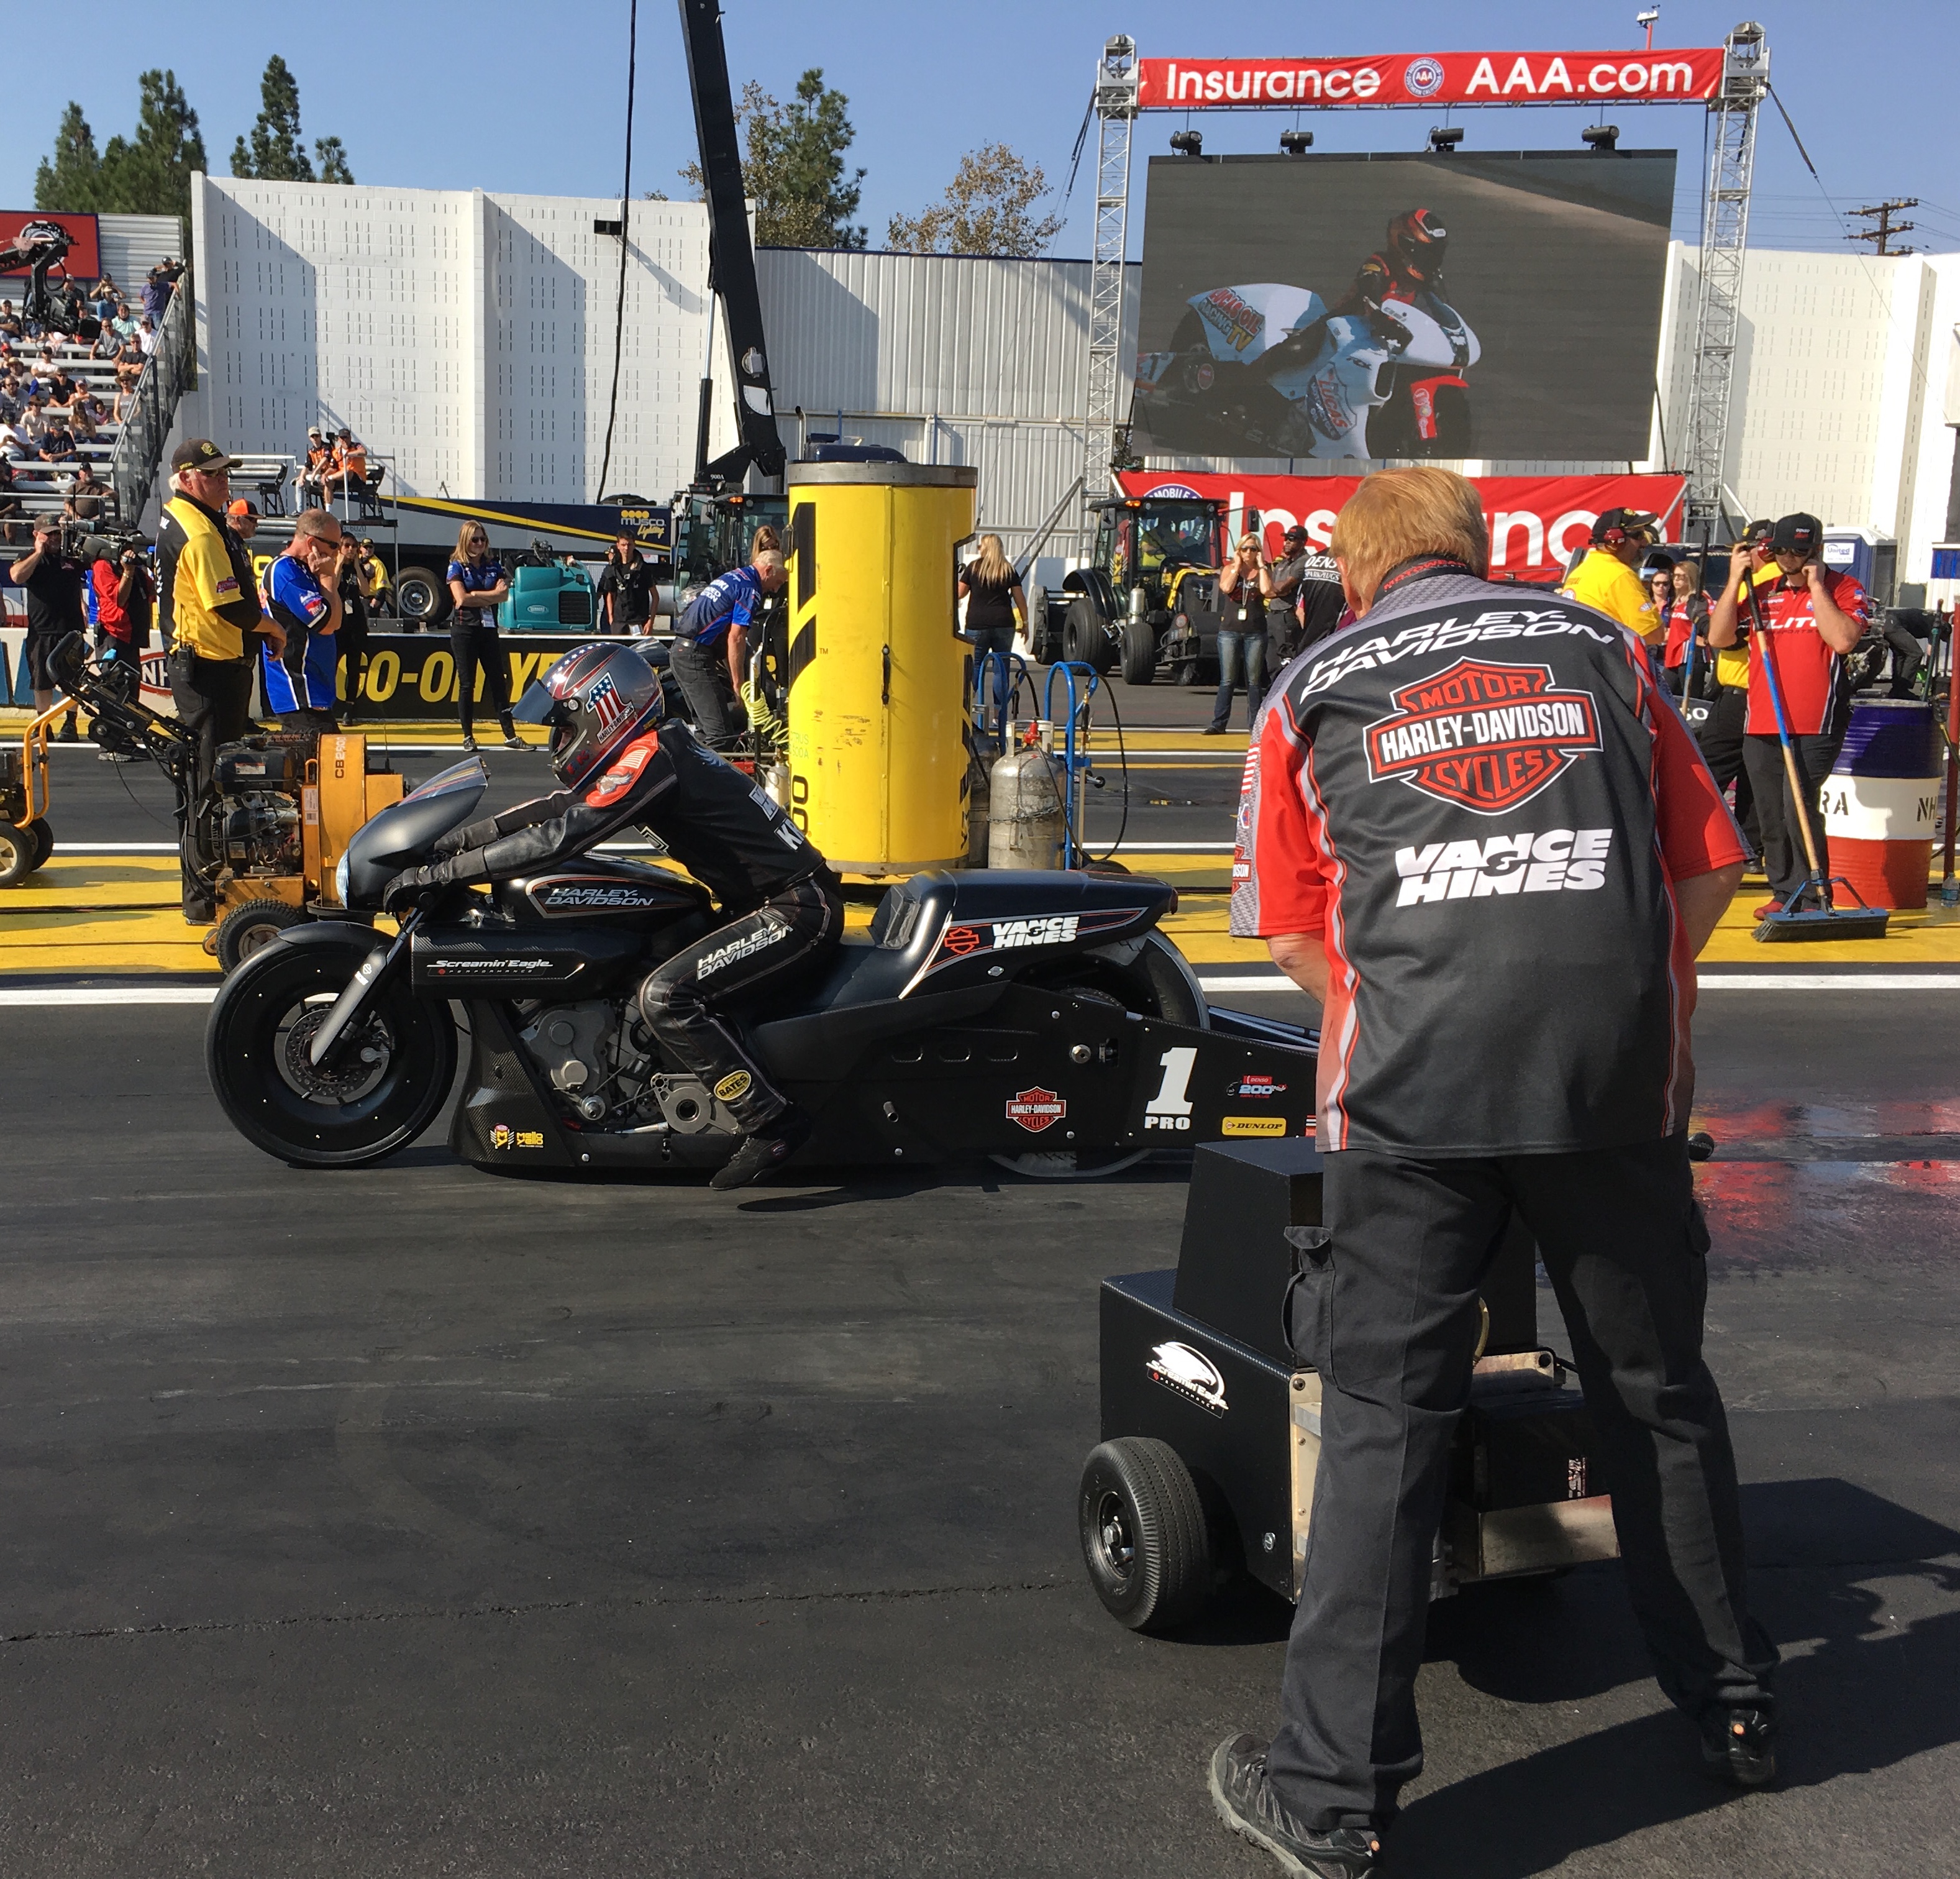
(62, 401)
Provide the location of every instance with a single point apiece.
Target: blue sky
(523, 98)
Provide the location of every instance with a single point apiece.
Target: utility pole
(1882, 213)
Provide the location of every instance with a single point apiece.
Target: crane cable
(625, 202)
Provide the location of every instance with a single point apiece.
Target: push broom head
(1860, 923)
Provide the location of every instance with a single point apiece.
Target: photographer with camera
(125, 595)
(51, 579)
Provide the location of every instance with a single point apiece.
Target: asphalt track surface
(420, 1520)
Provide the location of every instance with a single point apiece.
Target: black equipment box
(1199, 1359)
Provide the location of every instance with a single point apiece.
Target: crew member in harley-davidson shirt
(1811, 617)
(625, 765)
(1474, 827)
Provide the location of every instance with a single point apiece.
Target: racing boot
(1247, 1804)
(768, 1147)
(1738, 1745)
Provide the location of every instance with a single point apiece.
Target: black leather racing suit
(787, 915)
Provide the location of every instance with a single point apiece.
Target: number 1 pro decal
(1170, 1108)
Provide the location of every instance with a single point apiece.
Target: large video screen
(1505, 307)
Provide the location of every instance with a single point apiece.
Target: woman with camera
(1244, 588)
(477, 583)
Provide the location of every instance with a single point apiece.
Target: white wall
(469, 336)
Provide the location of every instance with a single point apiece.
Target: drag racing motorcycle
(1040, 1018)
(1270, 366)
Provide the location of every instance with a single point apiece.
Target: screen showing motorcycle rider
(624, 763)
(1505, 307)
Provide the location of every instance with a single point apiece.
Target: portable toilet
(1870, 558)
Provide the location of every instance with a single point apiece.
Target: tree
(71, 179)
(149, 174)
(277, 151)
(986, 209)
(793, 168)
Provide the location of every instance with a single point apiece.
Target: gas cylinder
(1025, 822)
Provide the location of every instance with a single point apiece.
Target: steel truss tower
(1116, 113)
(1725, 229)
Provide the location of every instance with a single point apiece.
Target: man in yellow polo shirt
(208, 601)
(1606, 581)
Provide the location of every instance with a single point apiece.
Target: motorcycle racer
(1408, 262)
(624, 763)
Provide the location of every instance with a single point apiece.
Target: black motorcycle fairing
(400, 835)
(455, 959)
(505, 1118)
(604, 889)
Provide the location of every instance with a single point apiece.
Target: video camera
(37, 247)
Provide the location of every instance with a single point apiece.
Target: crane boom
(731, 260)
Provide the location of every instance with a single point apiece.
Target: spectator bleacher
(37, 487)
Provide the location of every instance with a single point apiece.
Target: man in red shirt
(1812, 618)
(1475, 829)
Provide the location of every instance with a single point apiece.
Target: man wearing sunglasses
(208, 602)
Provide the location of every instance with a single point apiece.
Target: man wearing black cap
(1606, 581)
(207, 601)
(1300, 579)
(1812, 618)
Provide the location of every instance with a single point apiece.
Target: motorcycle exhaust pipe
(370, 976)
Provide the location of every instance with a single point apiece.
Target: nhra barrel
(1881, 801)
(876, 669)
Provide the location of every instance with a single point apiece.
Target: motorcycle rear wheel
(386, 1089)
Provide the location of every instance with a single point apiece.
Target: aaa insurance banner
(1535, 522)
(1602, 78)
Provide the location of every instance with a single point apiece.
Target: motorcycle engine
(600, 1059)
(255, 832)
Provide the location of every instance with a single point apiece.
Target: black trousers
(1388, 1316)
(702, 671)
(787, 939)
(213, 698)
(1784, 858)
(350, 650)
(473, 645)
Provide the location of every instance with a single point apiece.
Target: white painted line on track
(115, 848)
(32, 996)
(107, 994)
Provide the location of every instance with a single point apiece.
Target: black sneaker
(469, 742)
(67, 733)
(1738, 1745)
(1247, 1804)
(766, 1149)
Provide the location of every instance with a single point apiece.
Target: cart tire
(1142, 1534)
(248, 927)
(17, 850)
(44, 840)
(421, 596)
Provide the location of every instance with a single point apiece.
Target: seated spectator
(124, 324)
(90, 405)
(15, 447)
(10, 399)
(58, 444)
(103, 347)
(146, 336)
(35, 420)
(88, 494)
(350, 465)
(312, 473)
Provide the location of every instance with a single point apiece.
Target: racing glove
(416, 886)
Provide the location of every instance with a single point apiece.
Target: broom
(1824, 921)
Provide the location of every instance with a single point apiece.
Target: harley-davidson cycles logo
(1485, 738)
(1036, 1110)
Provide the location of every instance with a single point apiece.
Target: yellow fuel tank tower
(877, 688)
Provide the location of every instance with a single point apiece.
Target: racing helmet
(596, 699)
(1417, 242)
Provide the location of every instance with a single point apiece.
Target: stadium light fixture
(1296, 143)
(1444, 138)
(1601, 136)
(1189, 143)
(1647, 17)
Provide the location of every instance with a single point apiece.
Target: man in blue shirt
(711, 648)
(299, 589)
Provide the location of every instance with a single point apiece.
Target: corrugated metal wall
(132, 245)
(951, 359)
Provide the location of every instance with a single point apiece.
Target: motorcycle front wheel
(382, 1091)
